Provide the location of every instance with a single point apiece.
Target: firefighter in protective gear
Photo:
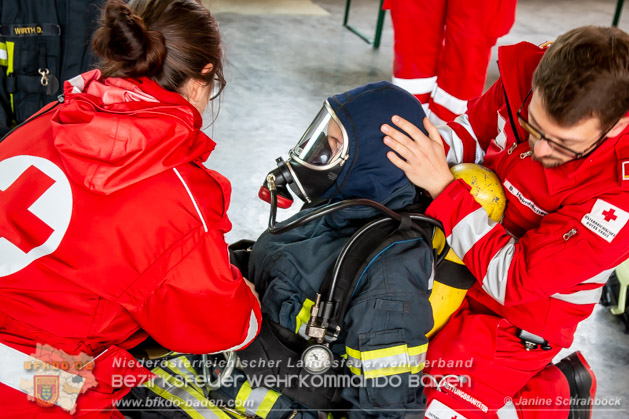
(389, 313)
(382, 342)
(452, 281)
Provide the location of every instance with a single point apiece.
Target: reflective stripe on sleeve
(455, 153)
(495, 281)
(469, 230)
(450, 136)
(257, 402)
(252, 332)
(387, 361)
(587, 296)
(508, 411)
(416, 86)
(600, 278)
(581, 297)
(451, 103)
(183, 397)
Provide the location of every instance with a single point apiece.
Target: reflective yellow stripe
(10, 59)
(242, 396)
(353, 360)
(387, 361)
(188, 365)
(256, 402)
(168, 396)
(205, 405)
(383, 353)
(190, 380)
(304, 314)
(352, 352)
(354, 370)
(418, 350)
(267, 403)
(10, 51)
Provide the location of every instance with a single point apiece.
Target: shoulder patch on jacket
(624, 174)
(605, 220)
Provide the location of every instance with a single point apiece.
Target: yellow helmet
(487, 191)
(486, 187)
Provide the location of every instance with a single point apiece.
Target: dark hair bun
(126, 46)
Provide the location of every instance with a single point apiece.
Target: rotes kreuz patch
(605, 220)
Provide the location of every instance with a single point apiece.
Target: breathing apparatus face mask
(313, 164)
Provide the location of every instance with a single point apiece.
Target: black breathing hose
(328, 209)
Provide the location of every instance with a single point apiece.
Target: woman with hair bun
(111, 228)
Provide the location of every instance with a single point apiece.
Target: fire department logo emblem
(46, 389)
(35, 210)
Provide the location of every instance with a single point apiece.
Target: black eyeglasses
(555, 146)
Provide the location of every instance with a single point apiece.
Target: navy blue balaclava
(368, 173)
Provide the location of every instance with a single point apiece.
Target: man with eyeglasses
(554, 128)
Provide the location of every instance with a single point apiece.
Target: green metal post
(617, 13)
(379, 25)
(348, 3)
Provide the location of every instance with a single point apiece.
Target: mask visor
(324, 144)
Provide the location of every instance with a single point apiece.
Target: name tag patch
(523, 200)
(605, 220)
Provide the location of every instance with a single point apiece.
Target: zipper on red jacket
(569, 234)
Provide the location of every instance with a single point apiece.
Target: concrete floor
(282, 66)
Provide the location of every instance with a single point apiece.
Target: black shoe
(582, 383)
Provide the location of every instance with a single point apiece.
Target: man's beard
(547, 162)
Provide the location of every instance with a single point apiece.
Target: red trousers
(442, 49)
(479, 368)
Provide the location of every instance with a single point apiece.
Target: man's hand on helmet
(423, 158)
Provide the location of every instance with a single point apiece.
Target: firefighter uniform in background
(541, 269)
(112, 231)
(442, 49)
(42, 43)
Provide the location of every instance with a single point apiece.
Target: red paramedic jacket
(111, 230)
(564, 229)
